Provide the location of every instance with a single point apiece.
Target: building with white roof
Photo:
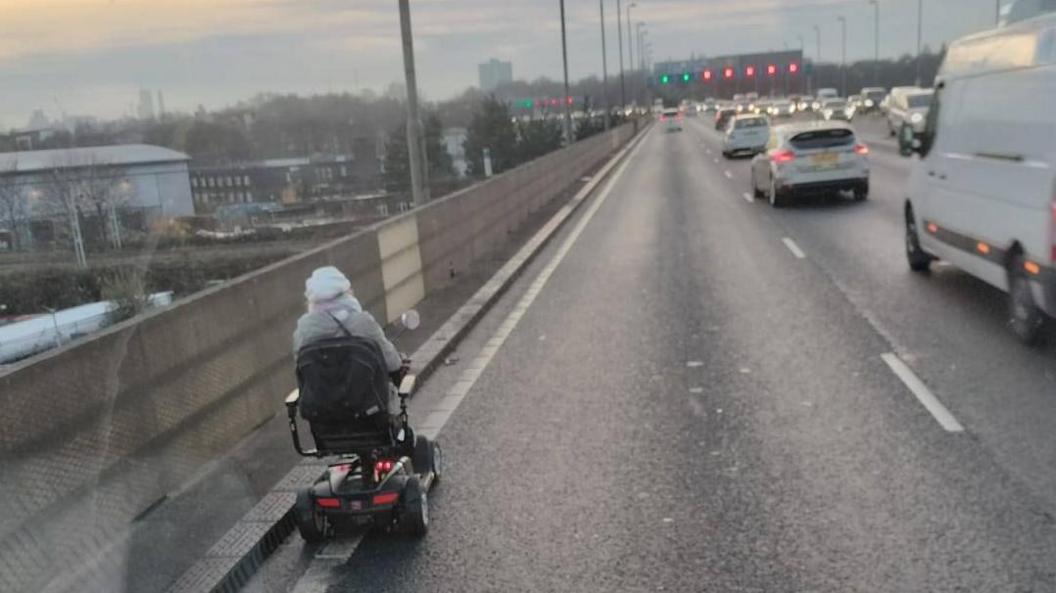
(146, 183)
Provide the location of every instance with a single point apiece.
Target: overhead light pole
(604, 67)
(564, 59)
(920, 38)
(843, 57)
(876, 41)
(817, 57)
(630, 45)
(619, 38)
(641, 35)
(415, 139)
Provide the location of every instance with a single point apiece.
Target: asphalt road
(694, 398)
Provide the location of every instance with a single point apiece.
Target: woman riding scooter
(333, 312)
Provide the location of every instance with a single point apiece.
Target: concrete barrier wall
(93, 433)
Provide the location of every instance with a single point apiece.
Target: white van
(983, 194)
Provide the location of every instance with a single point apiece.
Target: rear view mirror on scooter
(410, 319)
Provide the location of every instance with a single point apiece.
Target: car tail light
(386, 498)
(663, 118)
(861, 149)
(783, 156)
(328, 503)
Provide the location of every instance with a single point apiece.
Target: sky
(91, 57)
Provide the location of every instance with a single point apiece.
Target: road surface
(695, 392)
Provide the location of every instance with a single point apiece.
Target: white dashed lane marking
(796, 251)
(747, 197)
(922, 393)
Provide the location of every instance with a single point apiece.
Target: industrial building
(138, 183)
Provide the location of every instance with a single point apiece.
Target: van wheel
(919, 260)
(1026, 318)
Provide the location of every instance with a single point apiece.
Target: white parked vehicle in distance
(908, 107)
(745, 133)
(810, 158)
(983, 194)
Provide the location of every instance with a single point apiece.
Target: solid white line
(728, 174)
(796, 251)
(747, 197)
(923, 394)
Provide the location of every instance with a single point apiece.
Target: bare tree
(13, 209)
(78, 182)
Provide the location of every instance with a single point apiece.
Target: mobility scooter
(380, 472)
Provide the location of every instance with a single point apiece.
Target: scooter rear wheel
(312, 524)
(415, 515)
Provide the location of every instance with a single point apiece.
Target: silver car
(836, 109)
(810, 158)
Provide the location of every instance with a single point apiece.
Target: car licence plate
(825, 160)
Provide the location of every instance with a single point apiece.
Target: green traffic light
(686, 77)
(665, 79)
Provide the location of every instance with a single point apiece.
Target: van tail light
(1052, 229)
(783, 156)
(861, 149)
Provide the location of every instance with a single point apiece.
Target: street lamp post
(843, 57)
(604, 67)
(415, 139)
(876, 41)
(801, 53)
(641, 35)
(920, 37)
(817, 57)
(564, 59)
(630, 45)
(619, 39)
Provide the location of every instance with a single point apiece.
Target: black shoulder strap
(344, 329)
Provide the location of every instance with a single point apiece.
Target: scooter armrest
(407, 385)
(291, 402)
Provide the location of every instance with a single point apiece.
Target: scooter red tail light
(328, 503)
